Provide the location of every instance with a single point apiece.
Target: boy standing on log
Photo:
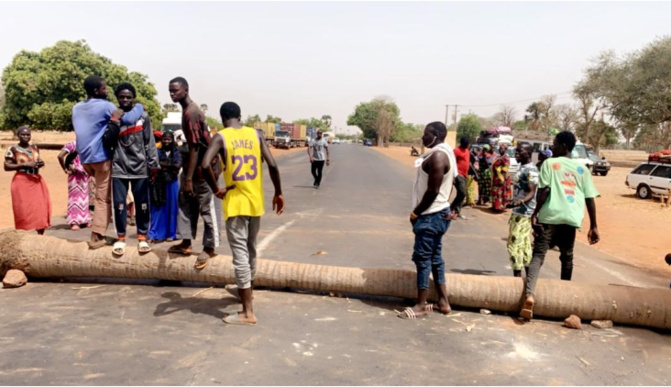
(430, 218)
(564, 189)
(242, 150)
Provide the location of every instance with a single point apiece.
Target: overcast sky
(297, 60)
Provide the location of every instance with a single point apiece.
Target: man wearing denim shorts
(436, 171)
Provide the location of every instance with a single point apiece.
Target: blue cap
(547, 153)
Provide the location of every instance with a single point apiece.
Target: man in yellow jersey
(242, 149)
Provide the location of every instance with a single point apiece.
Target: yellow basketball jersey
(242, 168)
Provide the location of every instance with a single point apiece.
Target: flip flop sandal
(97, 244)
(200, 263)
(527, 311)
(143, 247)
(234, 319)
(119, 248)
(409, 314)
(180, 250)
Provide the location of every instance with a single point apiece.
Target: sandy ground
(54, 175)
(633, 229)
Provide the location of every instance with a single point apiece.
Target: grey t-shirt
(319, 149)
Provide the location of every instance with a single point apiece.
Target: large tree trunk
(48, 257)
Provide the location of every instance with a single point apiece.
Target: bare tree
(384, 124)
(541, 115)
(567, 117)
(506, 116)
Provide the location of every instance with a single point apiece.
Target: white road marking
(269, 238)
(617, 275)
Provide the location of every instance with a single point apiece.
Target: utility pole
(456, 109)
(447, 109)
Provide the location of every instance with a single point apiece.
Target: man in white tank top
(436, 171)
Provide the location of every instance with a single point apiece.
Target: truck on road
(290, 136)
(269, 130)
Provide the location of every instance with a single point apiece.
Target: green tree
(326, 119)
(634, 90)
(274, 120)
(251, 120)
(41, 88)
(2, 103)
(520, 125)
(601, 134)
(169, 108)
(366, 117)
(469, 125)
(628, 130)
(313, 122)
(213, 122)
(407, 132)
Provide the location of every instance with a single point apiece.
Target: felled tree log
(49, 257)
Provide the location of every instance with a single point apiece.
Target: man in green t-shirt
(565, 187)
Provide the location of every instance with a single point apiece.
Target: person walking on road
(565, 188)
(318, 152)
(524, 204)
(90, 118)
(195, 195)
(462, 154)
(243, 149)
(430, 218)
(134, 164)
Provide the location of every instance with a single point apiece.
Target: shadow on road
(473, 271)
(207, 306)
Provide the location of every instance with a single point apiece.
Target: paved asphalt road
(107, 332)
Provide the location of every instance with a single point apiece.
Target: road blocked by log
(49, 257)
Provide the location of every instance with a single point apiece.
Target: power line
(512, 102)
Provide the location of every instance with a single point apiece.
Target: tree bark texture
(50, 257)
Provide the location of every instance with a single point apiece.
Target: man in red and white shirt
(463, 155)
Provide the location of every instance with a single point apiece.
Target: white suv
(650, 177)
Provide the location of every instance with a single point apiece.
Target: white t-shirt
(319, 149)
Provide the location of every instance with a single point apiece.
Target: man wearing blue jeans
(90, 118)
(436, 171)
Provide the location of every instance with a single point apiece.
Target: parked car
(599, 165)
(336, 140)
(650, 177)
(367, 143)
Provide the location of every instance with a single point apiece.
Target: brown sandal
(180, 250)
